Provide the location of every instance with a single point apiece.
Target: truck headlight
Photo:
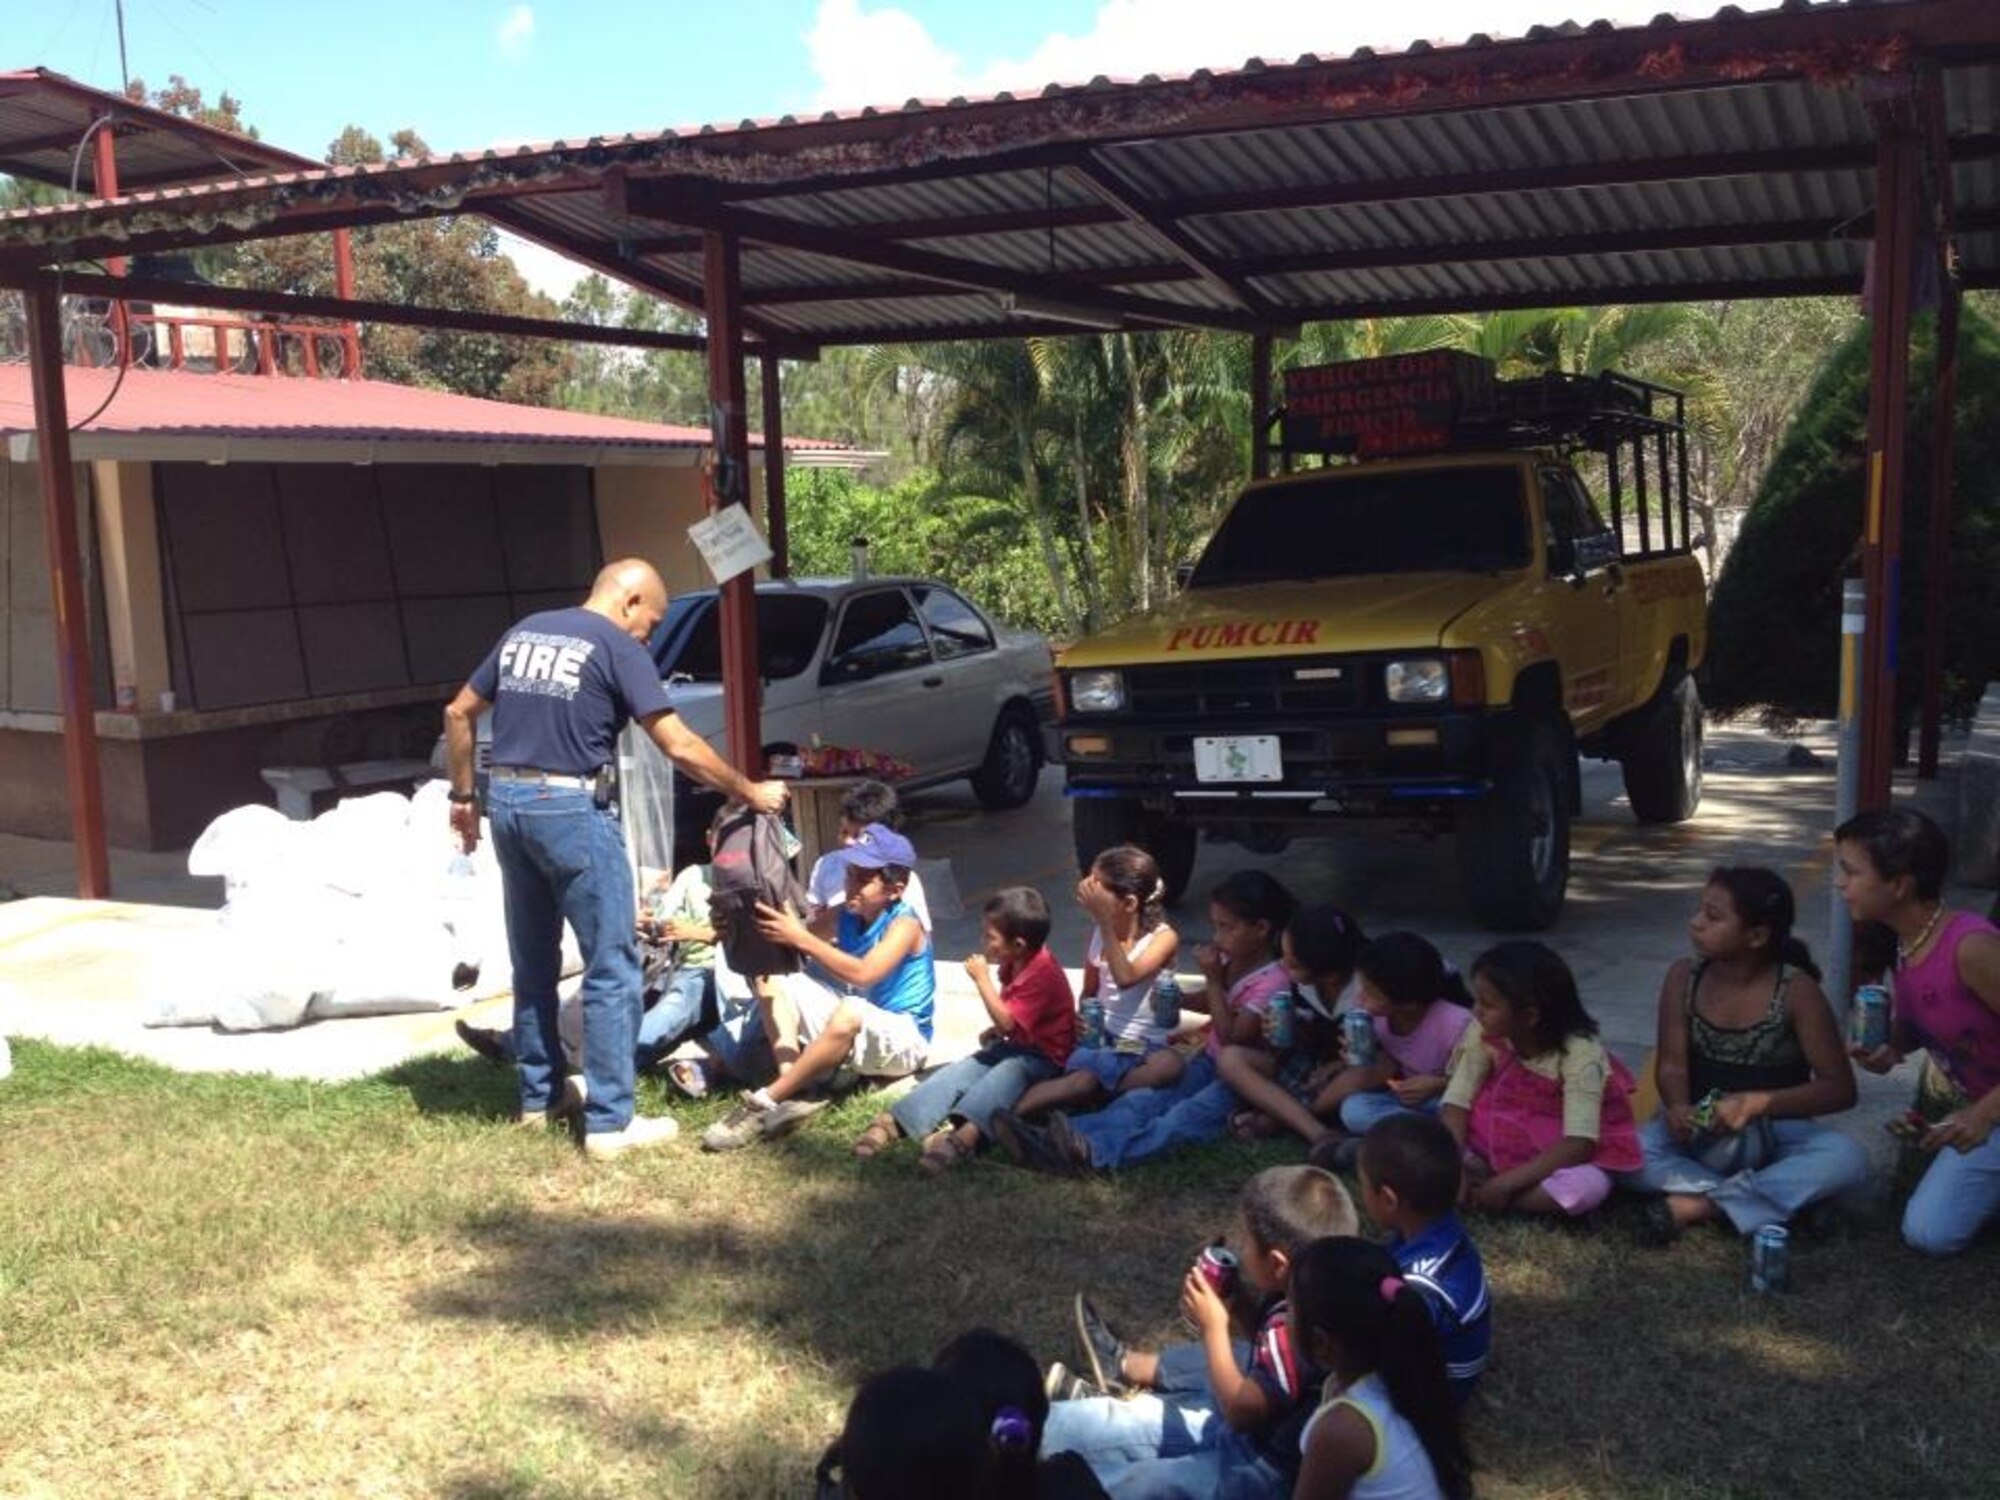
(1422, 679)
(1097, 692)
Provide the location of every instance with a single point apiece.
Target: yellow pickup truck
(1430, 633)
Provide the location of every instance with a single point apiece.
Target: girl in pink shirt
(1418, 1008)
(1890, 866)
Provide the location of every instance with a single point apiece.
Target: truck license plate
(1237, 757)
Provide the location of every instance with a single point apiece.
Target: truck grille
(1291, 686)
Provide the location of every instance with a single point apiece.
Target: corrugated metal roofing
(166, 407)
(1732, 156)
(46, 117)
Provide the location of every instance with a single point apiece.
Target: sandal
(943, 1151)
(1253, 1125)
(882, 1132)
(688, 1076)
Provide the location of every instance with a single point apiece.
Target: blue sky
(471, 73)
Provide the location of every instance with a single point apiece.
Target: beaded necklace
(1906, 951)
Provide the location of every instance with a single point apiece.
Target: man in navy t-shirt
(562, 684)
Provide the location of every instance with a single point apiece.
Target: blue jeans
(1231, 1469)
(1759, 1176)
(972, 1088)
(1177, 1416)
(1958, 1193)
(739, 1046)
(686, 1006)
(563, 858)
(1152, 1122)
(1359, 1111)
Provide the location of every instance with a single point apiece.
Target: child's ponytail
(1349, 1293)
(1412, 1367)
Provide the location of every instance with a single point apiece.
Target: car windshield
(789, 627)
(1358, 521)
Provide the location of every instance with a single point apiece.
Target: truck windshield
(1356, 521)
(689, 641)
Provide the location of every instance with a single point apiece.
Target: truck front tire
(1663, 763)
(1098, 823)
(1513, 845)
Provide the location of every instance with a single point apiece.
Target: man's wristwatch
(463, 799)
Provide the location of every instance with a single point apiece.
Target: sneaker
(742, 1126)
(1037, 1149)
(489, 1042)
(1009, 1132)
(789, 1116)
(1067, 1144)
(1103, 1351)
(644, 1131)
(1064, 1384)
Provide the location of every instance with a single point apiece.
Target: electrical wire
(124, 362)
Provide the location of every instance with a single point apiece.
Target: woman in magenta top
(1890, 865)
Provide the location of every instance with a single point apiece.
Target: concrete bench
(296, 787)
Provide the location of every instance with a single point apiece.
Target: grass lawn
(223, 1287)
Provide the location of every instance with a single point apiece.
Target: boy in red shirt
(1033, 1031)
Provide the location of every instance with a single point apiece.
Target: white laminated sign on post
(729, 542)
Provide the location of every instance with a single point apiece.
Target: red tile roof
(170, 408)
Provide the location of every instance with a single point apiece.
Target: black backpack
(753, 863)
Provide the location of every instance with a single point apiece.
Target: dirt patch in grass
(233, 1287)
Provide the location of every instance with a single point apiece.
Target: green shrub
(1774, 621)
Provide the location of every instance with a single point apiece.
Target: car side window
(879, 633)
(955, 626)
(1575, 530)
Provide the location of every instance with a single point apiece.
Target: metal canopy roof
(44, 118)
(1728, 157)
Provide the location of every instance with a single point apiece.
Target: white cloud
(516, 30)
(864, 54)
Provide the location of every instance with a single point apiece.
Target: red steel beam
(295, 305)
(896, 291)
(962, 226)
(1198, 259)
(729, 484)
(1882, 514)
(1945, 221)
(776, 521)
(59, 524)
(105, 180)
(652, 198)
(1260, 405)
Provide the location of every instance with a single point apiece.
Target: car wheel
(1013, 765)
(1663, 766)
(1513, 845)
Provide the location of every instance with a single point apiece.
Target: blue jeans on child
(562, 857)
(1759, 1176)
(686, 1005)
(1959, 1192)
(972, 1088)
(1174, 1417)
(1151, 1122)
(1359, 1111)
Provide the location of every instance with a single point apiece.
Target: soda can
(1280, 1024)
(1704, 1111)
(1166, 1000)
(1871, 1016)
(1357, 1030)
(1218, 1266)
(1090, 1023)
(1771, 1259)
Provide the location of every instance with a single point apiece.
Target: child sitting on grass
(1542, 1111)
(876, 946)
(865, 802)
(1213, 1417)
(1410, 1174)
(1033, 1032)
(911, 1434)
(1387, 1427)
(1129, 947)
(1250, 911)
(1008, 1389)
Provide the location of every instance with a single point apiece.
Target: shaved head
(631, 594)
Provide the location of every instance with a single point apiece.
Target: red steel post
(1260, 405)
(1937, 573)
(775, 519)
(79, 712)
(1888, 393)
(104, 148)
(343, 288)
(722, 280)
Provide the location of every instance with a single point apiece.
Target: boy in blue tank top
(880, 1022)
